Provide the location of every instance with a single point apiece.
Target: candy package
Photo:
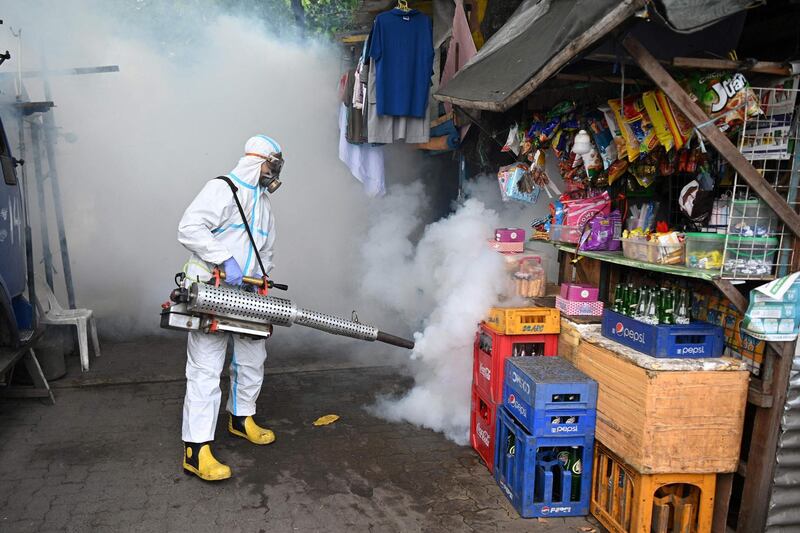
(726, 97)
(602, 138)
(631, 144)
(516, 183)
(658, 119)
(641, 125)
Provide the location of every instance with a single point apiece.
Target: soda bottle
(618, 298)
(644, 302)
(652, 309)
(669, 305)
(633, 302)
(576, 469)
(681, 308)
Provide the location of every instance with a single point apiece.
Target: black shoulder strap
(234, 190)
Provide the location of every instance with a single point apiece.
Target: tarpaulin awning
(538, 40)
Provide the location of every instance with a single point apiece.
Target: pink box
(506, 246)
(577, 292)
(573, 308)
(509, 235)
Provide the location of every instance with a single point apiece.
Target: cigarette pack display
(578, 292)
(509, 235)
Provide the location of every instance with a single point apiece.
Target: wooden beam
(77, 71)
(711, 132)
(763, 67)
(732, 293)
(601, 79)
(722, 500)
(763, 449)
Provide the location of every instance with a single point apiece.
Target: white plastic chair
(80, 318)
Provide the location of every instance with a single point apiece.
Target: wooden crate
(625, 501)
(666, 421)
(568, 340)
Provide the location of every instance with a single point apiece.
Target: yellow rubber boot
(245, 427)
(198, 460)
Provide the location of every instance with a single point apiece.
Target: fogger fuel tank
(210, 308)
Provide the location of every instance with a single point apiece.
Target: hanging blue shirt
(401, 47)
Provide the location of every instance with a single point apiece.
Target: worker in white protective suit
(213, 230)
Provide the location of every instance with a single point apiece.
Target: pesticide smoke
(177, 114)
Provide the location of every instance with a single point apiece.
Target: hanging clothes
(364, 161)
(461, 50)
(384, 129)
(356, 121)
(401, 49)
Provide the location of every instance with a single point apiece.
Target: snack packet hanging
(726, 97)
(616, 133)
(641, 125)
(578, 212)
(631, 144)
(658, 119)
(516, 184)
(679, 126)
(512, 141)
(602, 138)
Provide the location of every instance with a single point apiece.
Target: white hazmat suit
(213, 230)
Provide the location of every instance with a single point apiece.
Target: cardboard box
(578, 292)
(509, 235)
(572, 308)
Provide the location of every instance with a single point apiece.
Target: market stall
(680, 203)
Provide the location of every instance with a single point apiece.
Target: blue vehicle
(14, 309)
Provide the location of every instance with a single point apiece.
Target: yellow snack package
(658, 119)
(631, 144)
(680, 126)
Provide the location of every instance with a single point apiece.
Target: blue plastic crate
(550, 397)
(530, 473)
(695, 340)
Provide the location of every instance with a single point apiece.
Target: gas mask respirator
(270, 178)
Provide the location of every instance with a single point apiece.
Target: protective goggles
(274, 163)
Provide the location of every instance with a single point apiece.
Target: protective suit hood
(248, 170)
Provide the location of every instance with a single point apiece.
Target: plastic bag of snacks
(579, 212)
(680, 126)
(658, 119)
(640, 122)
(512, 142)
(516, 183)
(631, 144)
(602, 138)
(616, 133)
(726, 97)
(602, 233)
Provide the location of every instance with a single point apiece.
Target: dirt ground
(107, 456)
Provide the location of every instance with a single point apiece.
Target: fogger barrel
(253, 307)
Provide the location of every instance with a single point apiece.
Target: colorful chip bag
(631, 144)
(726, 97)
(679, 126)
(616, 133)
(602, 138)
(641, 125)
(658, 119)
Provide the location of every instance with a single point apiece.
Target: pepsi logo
(512, 399)
(619, 327)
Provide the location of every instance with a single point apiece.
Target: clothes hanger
(402, 5)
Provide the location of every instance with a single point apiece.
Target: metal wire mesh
(757, 245)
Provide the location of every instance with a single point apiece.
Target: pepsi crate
(493, 348)
(535, 476)
(550, 397)
(696, 340)
(483, 424)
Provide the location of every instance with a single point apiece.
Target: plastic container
(491, 351)
(524, 320)
(653, 251)
(705, 250)
(752, 218)
(483, 424)
(751, 257)
(569, 234)
(549, 397)
(691, 341)
(530, 473)
(530, 279)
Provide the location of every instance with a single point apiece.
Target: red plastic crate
(488, 368)
(482, 427)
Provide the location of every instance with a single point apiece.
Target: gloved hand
(233, 272)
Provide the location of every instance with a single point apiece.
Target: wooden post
(726, 149)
